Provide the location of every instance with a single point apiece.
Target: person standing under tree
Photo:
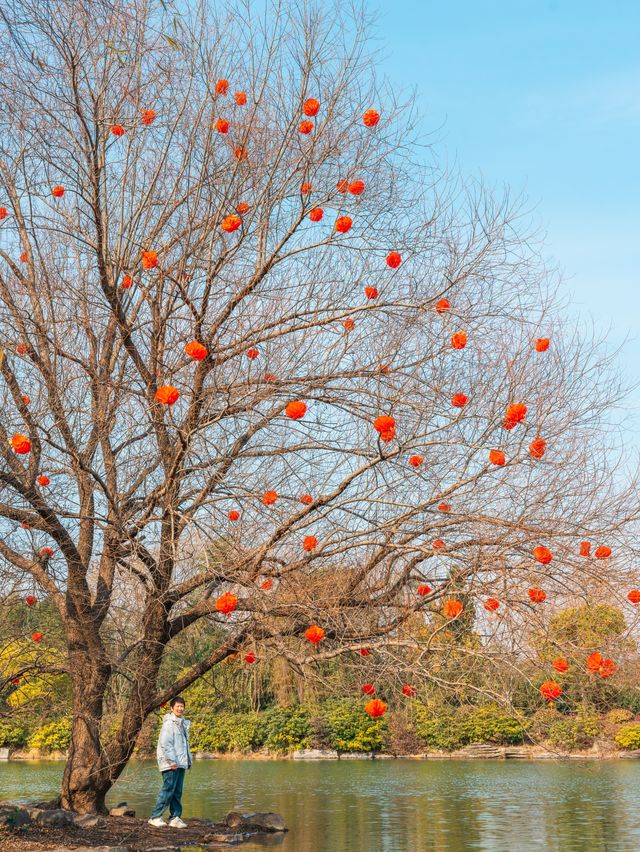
(174, 758)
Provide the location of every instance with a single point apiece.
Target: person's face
(178, 709)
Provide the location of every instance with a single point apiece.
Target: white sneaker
(176, 822)
(158, 822)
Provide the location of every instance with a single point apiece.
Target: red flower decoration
(196, 350)
(226, 603)
(310, 543)
(542, 344)
(537, 595)
(375, 708)
(343, 224)
(497, 457)
(316, 214)
(491, 604)
(296, 409)
(310, 107)
(459, 340)
(167, 394)
(314, 634)
(371, 118)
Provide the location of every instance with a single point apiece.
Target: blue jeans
(171, 794)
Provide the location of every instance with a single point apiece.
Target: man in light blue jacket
(174, 758)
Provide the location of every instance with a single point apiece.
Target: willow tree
(225, 255)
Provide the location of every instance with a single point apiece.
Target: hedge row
(342, 725)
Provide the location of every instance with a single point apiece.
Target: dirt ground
(134, 834)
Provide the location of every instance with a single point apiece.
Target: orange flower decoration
(222, 87)
(516, 412)
(231, 223)
(491, 604)
(26, 399)
(608, 668)
(21, 444)
(57, 191)
(550, 690)
(594, 661)
(444, 507)
(46, 552)
(196, 350)
(438, 544)
(416, 461)
(459, 340)
(542, 344)
(252, 354)
(442, 306)
(296, 409)
(234, 515)
(43, 480)
(117, 130)
(497, 457)
(242, 208)
(375, 708)
(560, 665)
(314, 634)
(149, 259)
(167, 394)
(222, 125)
(269, 497)
(542, 555)
(310, 107)
(148, 116)
(634, 596)
(349, 324)
(537, 448)
(226, 603)
(371, 118)
(343, 224)
(602, 552)
(356, 187)
(394, 259)
(241, 98)
(21, 349)
(3, 213)
(266, 585)
(127, 281)
(585, 548)
(240, 153)
(342, 185)
(371, 292)
(452, 608)
(305, 127)
(316, 214)
(37, 637)
(306, 188)
(307, 499)
(310, 543)
(459, 400)
(537, 595)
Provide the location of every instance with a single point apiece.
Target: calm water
(395, 805)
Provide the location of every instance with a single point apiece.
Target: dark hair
(177, 700)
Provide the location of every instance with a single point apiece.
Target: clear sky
(543, 95)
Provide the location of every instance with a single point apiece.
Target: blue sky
(545, 97)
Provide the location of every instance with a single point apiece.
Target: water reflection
(392, 806)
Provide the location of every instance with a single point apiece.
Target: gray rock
(356, 755)
(54, 819)
(89, 849)
(89, 821)
(14, 816)
(255, 822)
(122, 811)
(223, 838)
(315, 754)
(4, 754)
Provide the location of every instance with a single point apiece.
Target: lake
(394, 805)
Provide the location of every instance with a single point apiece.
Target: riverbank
(604, 750)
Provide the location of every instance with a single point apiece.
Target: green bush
(437, 727)
(284, 728)
(350, 729)
(489, 724)
(629, 736)
(226, 732)
(573, 732)
(618, 716)
(12, 735)
(54, 736)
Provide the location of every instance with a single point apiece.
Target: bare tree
(151, 205)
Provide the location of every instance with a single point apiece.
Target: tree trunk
(87, 776)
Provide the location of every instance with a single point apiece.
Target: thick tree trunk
(87, 776)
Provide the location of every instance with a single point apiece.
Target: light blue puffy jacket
(173, 743)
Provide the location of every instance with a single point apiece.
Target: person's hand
(173, 766)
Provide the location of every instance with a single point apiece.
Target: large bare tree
(318, 256)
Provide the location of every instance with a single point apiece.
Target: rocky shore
(45, 826)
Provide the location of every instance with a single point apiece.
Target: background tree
(151, 205)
